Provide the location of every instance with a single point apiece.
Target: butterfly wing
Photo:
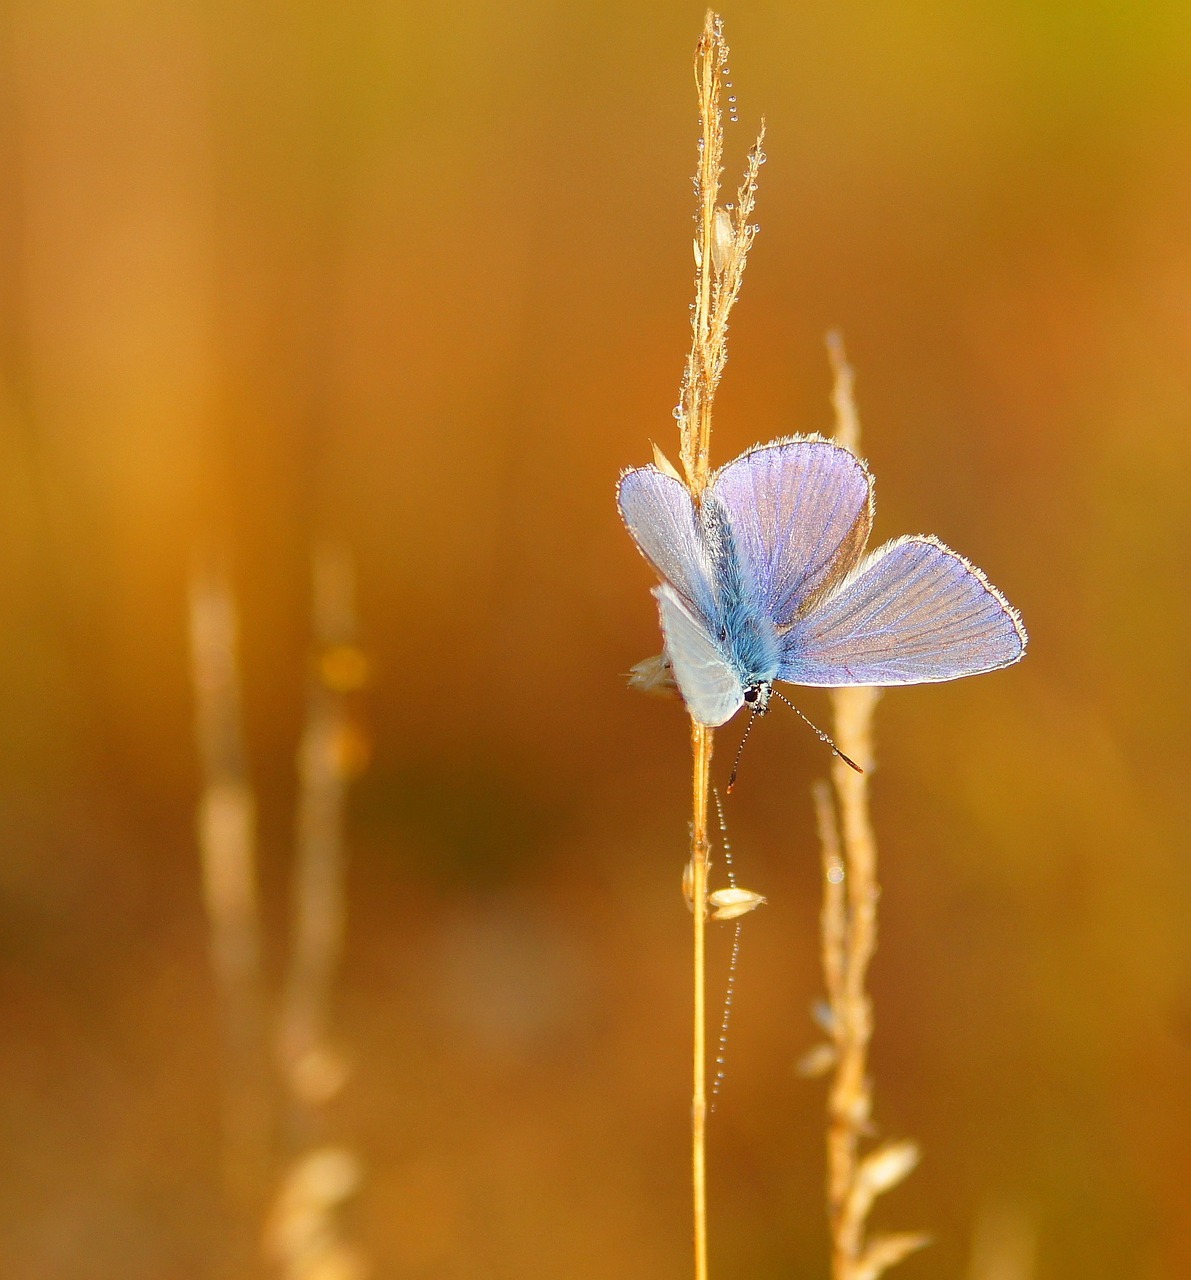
(801, 511)
(709, 686)
(913, 612)
(659, 513)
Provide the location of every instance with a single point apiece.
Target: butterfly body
(745, 633)
(765, 578)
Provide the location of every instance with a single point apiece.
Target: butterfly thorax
(744, 631)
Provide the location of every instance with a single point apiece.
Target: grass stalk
(327, 760)
(849, 936)
(302, 1231)
(723, 237)
(226, 823)
(701, 743)
(304, 1234)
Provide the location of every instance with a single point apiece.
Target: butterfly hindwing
(709, 686)
(912, 612)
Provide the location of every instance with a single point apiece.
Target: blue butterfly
(766, 579)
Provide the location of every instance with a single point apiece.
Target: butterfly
(766, 578)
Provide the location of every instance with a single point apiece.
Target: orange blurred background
(416, 278)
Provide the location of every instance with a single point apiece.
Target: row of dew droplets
(729, 240)
(725, 70)
(732, 903)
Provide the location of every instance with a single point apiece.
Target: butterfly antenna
(748, 728)
(823, 737)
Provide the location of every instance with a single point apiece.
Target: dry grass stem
(700, 849)
(843, 402)
(226, 823)
(834, 916)
(304, 1234)
(723, 237)
(328, 758)
(849, 929)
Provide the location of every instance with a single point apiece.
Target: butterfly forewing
(710, 687)
(801, 511)
(913, 612)
(659, 513)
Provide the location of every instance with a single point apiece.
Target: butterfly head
(757, 696)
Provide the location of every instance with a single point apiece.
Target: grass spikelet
(723, 237)
(849, 939)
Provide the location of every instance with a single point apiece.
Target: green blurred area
(416, 279)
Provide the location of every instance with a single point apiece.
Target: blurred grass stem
(325, 767)
(849, 937)
(304, 1233)
(226, 823)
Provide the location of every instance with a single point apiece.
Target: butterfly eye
(752, 694)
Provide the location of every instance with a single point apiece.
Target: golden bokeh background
(415, 278)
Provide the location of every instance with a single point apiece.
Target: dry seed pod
(722, 238)
(879, 1170)
(888, 1165)
(729, 904)
(817, 1061)
(885, 1251)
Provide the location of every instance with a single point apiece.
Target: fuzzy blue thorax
(745, 633)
